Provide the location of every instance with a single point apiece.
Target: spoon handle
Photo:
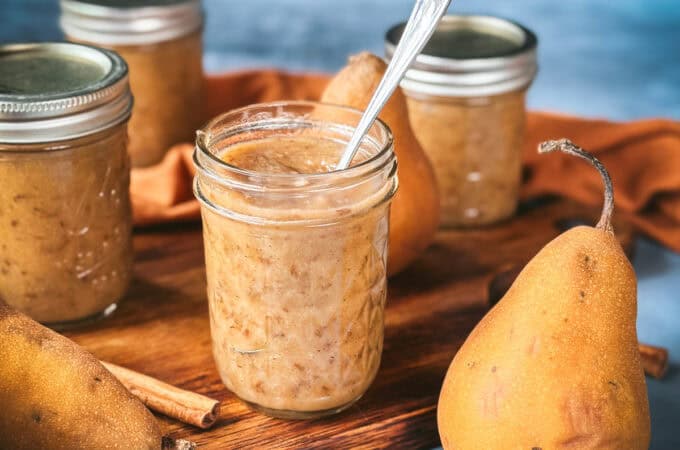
(419, 28)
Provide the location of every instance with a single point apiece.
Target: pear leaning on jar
(414, 214)
(555, 364)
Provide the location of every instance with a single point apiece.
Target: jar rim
(529, 41)
(139, 25)
(502, 72)
(59, 112)
(381, 163)
(365, 166)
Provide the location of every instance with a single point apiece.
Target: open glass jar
(161, 41)
(65, 217)
(295, 254)
(466, 99)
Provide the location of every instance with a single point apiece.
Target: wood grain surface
(161, 329)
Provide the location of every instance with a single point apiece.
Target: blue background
(618, 59)
(610, 58)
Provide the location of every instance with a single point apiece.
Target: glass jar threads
(65, 218)
(295, 254)
(162, 44)
(466, 99)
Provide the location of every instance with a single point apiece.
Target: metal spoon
(419, 28)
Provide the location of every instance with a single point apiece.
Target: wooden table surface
(162, 329)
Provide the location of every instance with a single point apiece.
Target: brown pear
(414, 215)
(55, 395)
(555, 364)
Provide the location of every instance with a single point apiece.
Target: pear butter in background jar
(466, 99)
(295, 254)
(162, 44)
(65, 218)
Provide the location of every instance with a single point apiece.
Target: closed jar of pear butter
(296, 254)
(161, 41)
(65, 217)
(466, 99)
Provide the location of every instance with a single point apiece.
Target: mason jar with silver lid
(466, 98)
(65, 216)
(161, 40)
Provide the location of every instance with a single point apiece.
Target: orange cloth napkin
(643, 158)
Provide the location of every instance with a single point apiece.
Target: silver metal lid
(470, 56)
(57, 91)
(130, 22)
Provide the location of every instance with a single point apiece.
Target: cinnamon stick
(185, 406)
(654, 360)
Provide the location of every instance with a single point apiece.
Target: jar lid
(470, 56)
(58, 91)
(129, 22)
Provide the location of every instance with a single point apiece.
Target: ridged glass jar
(466, 100)
(295, 256)
(161, 41)
(65, 217)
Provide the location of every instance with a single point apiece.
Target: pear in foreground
(55, 395)
(555, 364)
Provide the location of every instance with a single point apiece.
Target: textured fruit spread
(65, 226)
(475, 145)
(296, 308)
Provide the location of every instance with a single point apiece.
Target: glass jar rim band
(212, 171)
(207, 160)
(471, 76)
(111, 26)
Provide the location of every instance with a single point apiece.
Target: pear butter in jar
(65, 217)
(296, 254)
(161, 41)
(466, 98)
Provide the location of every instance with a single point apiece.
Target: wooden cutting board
(161, 329)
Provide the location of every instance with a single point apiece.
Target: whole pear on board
(54, 395)
(414, 215)
(555, 364)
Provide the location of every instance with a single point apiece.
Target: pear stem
(566, 146)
